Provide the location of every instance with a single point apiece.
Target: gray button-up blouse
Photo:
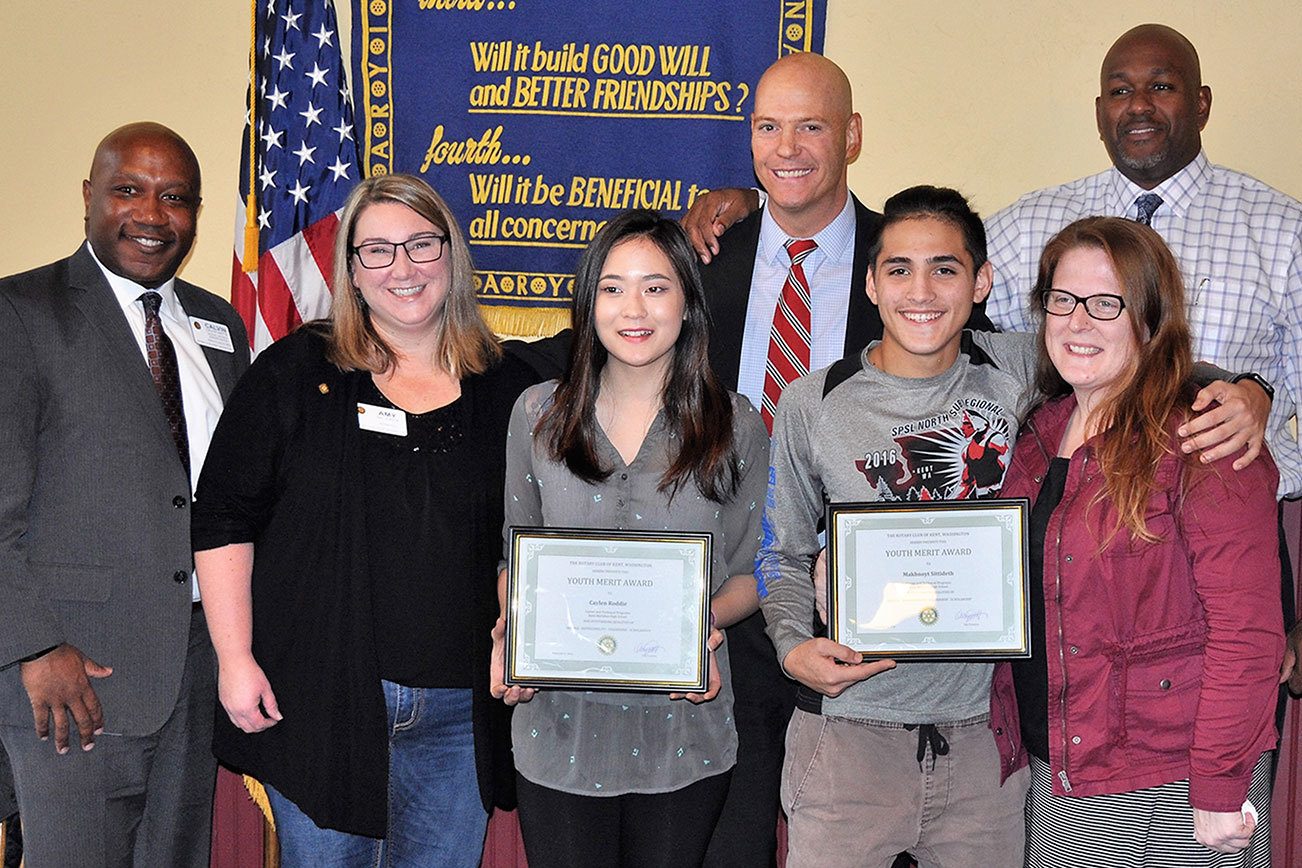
(602, 743)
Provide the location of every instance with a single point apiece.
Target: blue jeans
(435, 816)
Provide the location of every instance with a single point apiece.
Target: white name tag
(212, 334)
(385, 420)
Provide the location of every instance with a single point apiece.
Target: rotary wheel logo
(606, 645)
(928, 616)
(795, 32)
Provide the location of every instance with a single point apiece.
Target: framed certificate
(608, 610)
(941, 580)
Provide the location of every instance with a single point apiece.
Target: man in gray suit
(112, 375)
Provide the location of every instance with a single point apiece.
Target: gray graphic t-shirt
(880, 437)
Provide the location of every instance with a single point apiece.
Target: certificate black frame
(698, 610)
(938, 652)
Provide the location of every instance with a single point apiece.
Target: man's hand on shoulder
(58, 684)
(828, 667)
(1232, 417)
(713, 213)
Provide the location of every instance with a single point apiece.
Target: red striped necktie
(790, 337)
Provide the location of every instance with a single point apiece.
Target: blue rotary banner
(538, 120)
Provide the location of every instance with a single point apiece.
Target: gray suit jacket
(94, 501)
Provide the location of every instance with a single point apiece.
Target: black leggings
(636, 830)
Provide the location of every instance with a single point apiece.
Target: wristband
(1259, 380)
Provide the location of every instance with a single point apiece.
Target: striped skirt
(1150, 828)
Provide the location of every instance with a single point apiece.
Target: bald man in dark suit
(112, 374)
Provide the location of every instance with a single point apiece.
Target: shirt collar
(835, 240)
(1178, 192)
(127, 291)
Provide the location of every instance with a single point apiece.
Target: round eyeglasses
(1103, 306)
(420, 249)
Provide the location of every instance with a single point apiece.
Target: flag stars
(268, 178)
(266, 47)
(313, 115)
(285, 58)
(317, 75)
(299, 192)
(304, 154)
(340, 169)
(272, 138)
(264, 218)
(344, 130)
(291, 20)
(323, 37)
(277, 97)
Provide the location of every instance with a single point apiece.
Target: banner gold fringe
(526, 322)
(259, 797)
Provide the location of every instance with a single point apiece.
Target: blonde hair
(465, 344)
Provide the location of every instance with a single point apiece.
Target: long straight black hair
(698, 410)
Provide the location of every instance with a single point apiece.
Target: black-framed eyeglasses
(1102, 306)
(380, 254)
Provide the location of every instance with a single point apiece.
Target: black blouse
(419, 490)
(1031, 676)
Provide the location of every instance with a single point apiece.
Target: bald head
(142, 202)
(804, 133)
(1168, 39)
(1152, 104)
(144, 133)
(813, 71)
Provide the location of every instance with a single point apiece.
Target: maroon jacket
(1163, 657)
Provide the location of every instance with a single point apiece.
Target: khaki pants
(856, 795)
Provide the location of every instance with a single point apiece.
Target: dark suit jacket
(757, 678)
(94, 501)
(727, 290)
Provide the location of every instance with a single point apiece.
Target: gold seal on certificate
(942, 580)
(608, 610)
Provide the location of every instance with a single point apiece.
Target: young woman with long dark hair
(639, 434)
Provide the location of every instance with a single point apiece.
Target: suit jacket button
(180, 576)
(178, 502)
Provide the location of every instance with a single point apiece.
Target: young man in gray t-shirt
(880, 758)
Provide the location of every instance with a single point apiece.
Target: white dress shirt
(828, 270)
(200, 397)
(1239, 245)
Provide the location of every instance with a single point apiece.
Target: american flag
(301, 162)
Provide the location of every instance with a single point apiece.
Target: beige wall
(995, 98)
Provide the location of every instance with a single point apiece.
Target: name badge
(212, 334)
(384, 420)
